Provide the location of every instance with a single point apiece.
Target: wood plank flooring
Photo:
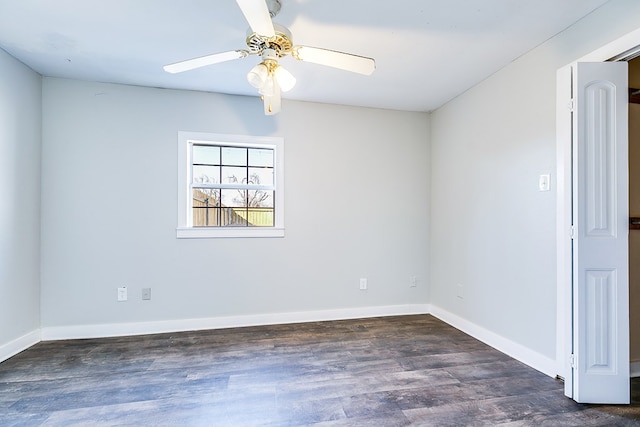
(394, 371)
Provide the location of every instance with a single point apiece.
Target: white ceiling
(427, 51)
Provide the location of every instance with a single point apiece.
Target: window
(230, 186)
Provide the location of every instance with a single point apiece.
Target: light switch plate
(544, 182)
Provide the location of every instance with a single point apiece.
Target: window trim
(186, 140)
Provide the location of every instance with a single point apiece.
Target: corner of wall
(519, 352)
(18, 345)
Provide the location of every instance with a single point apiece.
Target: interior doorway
(624, 49)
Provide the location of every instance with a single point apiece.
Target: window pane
(234, 175)
(261, 176)
(234, 198)
(233, 217)
(234, 156)
(203, 206)
(259, 199)
(206, 175)
(206, 217)
(205, 197)
(206, 154)
(260, 217)
(260, 157)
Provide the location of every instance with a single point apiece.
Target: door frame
(619, 49)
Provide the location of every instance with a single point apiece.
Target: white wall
(20, 135)
(492, 230)
(357, 205)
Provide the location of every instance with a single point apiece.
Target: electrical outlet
(146, 293)
(363, 284)
(122, 293)
(460, 291)
(413, 281)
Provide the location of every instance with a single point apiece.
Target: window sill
(231, 232)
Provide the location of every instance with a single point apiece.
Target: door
(600, 215)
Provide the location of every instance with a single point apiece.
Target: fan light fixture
(270, 78)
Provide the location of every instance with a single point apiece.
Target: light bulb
(258, 75)
(285, 79)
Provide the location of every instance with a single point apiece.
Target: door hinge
(572, 360)
(571, 105)
(572, 232)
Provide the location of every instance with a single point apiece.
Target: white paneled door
(600, 233)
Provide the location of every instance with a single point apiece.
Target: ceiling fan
(272, 42)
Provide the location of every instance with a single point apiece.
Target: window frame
(185, 228)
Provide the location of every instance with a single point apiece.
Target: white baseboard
(180, 325)
(19, 344)
(517, 351)
(634, 369)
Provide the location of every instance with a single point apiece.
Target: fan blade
(203, 61)
(257, 15)
(332, 58)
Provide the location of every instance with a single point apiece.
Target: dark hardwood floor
(394, 371)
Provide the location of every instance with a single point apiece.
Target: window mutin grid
(232, 185)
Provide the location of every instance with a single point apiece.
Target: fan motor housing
(281, 42)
